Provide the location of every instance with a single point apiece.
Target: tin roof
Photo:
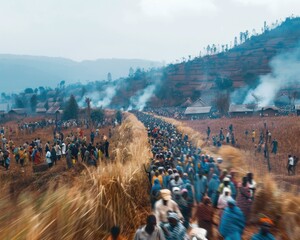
(197, 110)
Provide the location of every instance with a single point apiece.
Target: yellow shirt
(160, 179)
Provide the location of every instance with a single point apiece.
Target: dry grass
(285, 129)
(99, 198)
(194, 136)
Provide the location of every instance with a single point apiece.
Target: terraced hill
(242, 64)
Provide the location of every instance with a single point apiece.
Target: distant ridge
(21, 71)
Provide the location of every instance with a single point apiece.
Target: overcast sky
(163, 30)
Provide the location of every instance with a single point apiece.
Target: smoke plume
(140, 100)
(107, 96)
(285, 74)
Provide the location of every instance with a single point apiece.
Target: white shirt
(161, 211)
(48, 157)
(223, 201)
(63, 148)
(291, 161)
(157, 234)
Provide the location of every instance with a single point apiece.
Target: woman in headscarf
(190, 194)
(264, 232)
(244, 201)
(224, 184)
(37, 158)
(213, 186)
(174, 230)
(200, 185)
(232, 222)
(232, 188)
(223, 200)
(180, 197)
(186, 207)
(155, 192)
(204, 216)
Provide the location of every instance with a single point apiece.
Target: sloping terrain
(242, 64)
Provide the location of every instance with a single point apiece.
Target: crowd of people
(171, 112)
(188, 186)
(31, 127)
(74, 147)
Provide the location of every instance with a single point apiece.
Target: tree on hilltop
(19, 103)
(33, 102)
(98, 115)
(71, 109)
(223, 83)
(28, 90)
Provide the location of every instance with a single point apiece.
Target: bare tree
(222, 103)
(88, 110)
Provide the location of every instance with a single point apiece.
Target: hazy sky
(146, 29)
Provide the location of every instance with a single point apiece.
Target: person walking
(204, 216)
(48, 159)
(290, 165)
(232, 222)
(244, 201)
(115, 234)
(264, 232)
(150, 231)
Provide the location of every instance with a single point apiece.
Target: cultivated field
(82, 203)
(285, 129)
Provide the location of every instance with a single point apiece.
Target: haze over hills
(262, 64)
(18, 72)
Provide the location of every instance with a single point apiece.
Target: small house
(17, 112)
(269, 111)
(40, 110)
(53, 110)
(242, 110)
(199, 103)
(198, 112)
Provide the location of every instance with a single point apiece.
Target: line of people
(188, 187)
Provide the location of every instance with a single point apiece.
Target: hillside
(34, 71)
(242, 64)
(275, 51)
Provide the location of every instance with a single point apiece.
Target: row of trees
(212, 49)
(71, 111)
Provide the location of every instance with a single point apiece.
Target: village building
(53, 110)
(242, 110)
(187, 103)
(17, 112)
(198, 112)
(40, 111)
(269, 111)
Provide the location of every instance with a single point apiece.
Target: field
(16, 175)
(285, 129)
(82, 203)
(86, 202)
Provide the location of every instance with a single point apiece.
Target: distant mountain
(18, 72)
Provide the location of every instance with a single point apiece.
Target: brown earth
(285, 129)
(17, 179)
